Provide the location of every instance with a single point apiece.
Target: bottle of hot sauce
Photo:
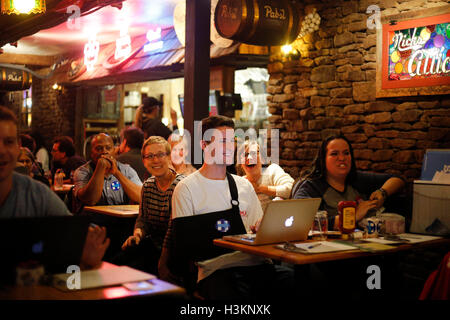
(347, 216)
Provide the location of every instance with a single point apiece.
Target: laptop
(283, 220)
(54, 242)
(193, 235)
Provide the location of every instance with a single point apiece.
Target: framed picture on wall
(413, 53)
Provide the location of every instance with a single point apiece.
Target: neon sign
(91, 49)
(123, 45)
(154, 39)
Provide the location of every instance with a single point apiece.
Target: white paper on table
(411, 238)
(325, 246)
(381, 240)
(415, 238)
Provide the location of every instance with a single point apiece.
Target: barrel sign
(258, 22)
(12, 79)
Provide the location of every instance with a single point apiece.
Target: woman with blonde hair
(143, 249)
(179, 153)
(270, 182)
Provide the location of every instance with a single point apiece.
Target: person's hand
(104, 164)
(131, 241)
(173, 116)
(363, 207)
(112, 163)
(255, 227)
(379, 197)
(94, 247)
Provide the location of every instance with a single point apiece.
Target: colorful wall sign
(416, 53)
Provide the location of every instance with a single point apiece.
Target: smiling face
(159, 163)
(220, 149)
(338, 159)
(251, 160)
(177, 154)
(9, 149)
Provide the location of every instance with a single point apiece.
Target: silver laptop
(283, 220)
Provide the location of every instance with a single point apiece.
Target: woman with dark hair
(334, 178)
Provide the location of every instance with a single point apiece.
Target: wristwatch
(383, 192)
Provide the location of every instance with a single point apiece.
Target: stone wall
(331, 89)
(53, 111)
(12, 100)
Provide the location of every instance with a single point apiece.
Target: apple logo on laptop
(289, 221)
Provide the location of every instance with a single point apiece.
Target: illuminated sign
(154, 39)
(91, 49)
(123, 45)
(416, 53)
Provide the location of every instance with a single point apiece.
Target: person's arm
(133, 240)
(94, 248)
(174, 118)
(390, 187)
(254, 210)
(138, 117)
(91, 193)
(139, 227)
(281, 183)
(130, 181)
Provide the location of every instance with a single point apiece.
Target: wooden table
(161, 289)
(64, 189)
(269, 251)
(120, 211)
(325, 274)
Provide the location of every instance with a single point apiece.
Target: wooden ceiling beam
(27, 59)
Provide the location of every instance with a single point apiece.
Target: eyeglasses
(150, 156)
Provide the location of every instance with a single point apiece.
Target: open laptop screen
(54, 242)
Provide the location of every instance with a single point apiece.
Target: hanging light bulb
(286, 49)
(22, 6)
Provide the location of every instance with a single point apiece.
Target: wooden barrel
(258, 22)
(13, 79)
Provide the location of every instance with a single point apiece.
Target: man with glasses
(103, 180)
(64, 157)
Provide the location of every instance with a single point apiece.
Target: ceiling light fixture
(22, 6)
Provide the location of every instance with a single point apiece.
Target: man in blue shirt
(103, 180)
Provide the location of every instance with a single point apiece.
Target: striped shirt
(155, 210)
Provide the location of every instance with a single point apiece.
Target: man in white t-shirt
(234, 275)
